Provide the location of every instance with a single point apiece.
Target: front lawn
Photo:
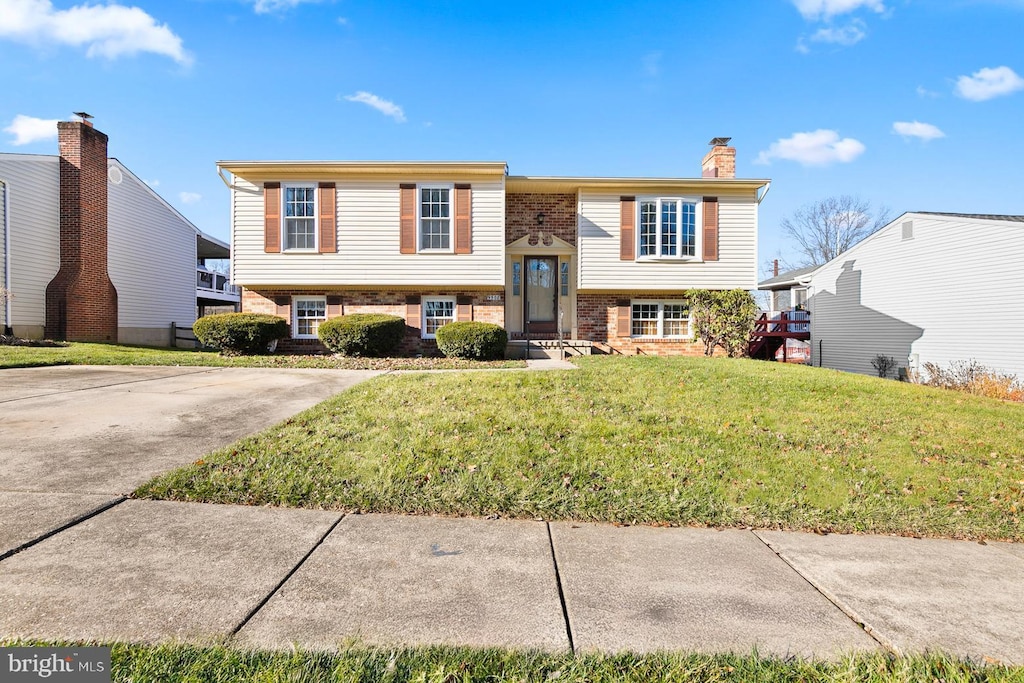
(689, 441)
(175, 662)
(114, 354)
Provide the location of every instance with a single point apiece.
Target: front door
(541, 300)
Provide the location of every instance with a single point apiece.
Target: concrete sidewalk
(266, 577)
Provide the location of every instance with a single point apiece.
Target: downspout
(8, 321)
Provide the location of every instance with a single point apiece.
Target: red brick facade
(81, 302)
(487, 306)
(559, 219)
(597, 318)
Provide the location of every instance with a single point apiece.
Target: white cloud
(270, 6)
(27, 129)
(652, 63)
(189, 197)
(988, 83)
(152, 183)
(916, 129)
(104, 30)
(851, 34)
(818, 148)
(925, 92)
(826, 9)
(385, 107)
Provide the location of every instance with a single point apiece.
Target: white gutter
(220, 174)
(7, 254)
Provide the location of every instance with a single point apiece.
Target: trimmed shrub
(237, 334)
(474, 341)
(363, 334)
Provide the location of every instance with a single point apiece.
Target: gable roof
(899, 220)
(981, 216)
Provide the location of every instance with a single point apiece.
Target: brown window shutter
(625, 318)
(464, 308)
(463, 219)
(272, 218)
(407, 219)
(334, 308)
(328, 224)
(284, 305)
(710, 229)
(412, 312)
(627, 229)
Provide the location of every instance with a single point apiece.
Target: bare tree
(826, 228)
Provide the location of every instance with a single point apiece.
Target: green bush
(237, 334)
(363, 334)
(475, 341)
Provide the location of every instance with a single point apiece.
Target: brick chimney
(720, 162)
(81, 302)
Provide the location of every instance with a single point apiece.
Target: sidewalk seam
(74, 521)
(834, 599)
(273, 591)
(561, 593)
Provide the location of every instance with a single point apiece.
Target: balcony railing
(210, 282)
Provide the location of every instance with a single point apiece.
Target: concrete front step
(548, 348)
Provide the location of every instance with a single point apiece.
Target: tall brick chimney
(720, 162)
(81, 302)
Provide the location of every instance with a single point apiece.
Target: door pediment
(540, 243)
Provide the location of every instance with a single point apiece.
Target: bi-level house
(604, 261)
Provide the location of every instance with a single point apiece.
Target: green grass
(688, 441)
(114, 354)
(194, 664)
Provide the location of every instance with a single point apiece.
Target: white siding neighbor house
(601, 261)
(912, 292)
(128, 259)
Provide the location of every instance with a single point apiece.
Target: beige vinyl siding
(368, 242)
(151, 257)
(600, 267)
(953, 292)
(33, 199)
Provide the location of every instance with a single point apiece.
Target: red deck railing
(771, 331)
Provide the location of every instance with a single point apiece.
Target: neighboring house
(605, 261)
(91, 253)
(788, 289)
(928, 287)
(783, 339)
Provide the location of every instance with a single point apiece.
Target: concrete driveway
(75, 438)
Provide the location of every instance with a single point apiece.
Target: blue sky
(915, 105)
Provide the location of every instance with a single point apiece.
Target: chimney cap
(715, 142)
(82, 115)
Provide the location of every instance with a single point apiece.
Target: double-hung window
(435, 218)
(309, 312)
(438, 311)
(660, 319)
(300, 217)
(667, 228)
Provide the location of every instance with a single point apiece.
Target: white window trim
(316, 217)
(661, 319)
(451, 218)
(423, 312)
(295, 313)
(698, 222)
